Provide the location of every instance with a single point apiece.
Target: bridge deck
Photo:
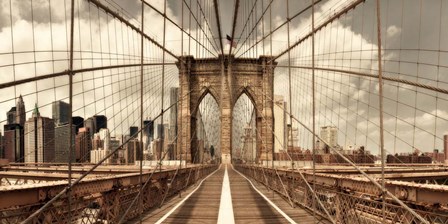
(247, 204)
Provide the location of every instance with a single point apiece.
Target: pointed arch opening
(244, 133)
(206, 137)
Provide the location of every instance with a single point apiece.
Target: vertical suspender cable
(380, 84)
(163, 76)
(70, 122)
(141, 108)
(314, 106)
(290, 92)
(180, 92)
(289, 79)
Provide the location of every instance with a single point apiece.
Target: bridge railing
(103, 199)
(352, 200)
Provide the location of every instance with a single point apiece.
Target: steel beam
(418, 194)
(36, 193)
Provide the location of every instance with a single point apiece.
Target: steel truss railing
(346, 200)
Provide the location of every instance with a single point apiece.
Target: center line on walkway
(225, 207)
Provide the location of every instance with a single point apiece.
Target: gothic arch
(225, 78)
(202, 94)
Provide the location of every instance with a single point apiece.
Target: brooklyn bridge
(214, 111)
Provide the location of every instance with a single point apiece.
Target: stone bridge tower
(226, 78)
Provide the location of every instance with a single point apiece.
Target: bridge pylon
(226, 78)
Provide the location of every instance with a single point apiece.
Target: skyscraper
(95, 123)
(101, 146)
(83, 145)
(14, 143)
(161, 131)
(279, 124)
(11, 116)
(148, 134)
(39, 138)
(90, 124)
(62, 143)
(100, 122)
(330, 135)
(173, 113)
(20, 112)
(61, 112)
(133, 131)
(78, 122)
(105, 138)
(2, 150)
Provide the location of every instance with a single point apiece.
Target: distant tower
(280, 124)
(330, 135)
(133, 131)
(20, 110)
(95, 123)
(39, 138)
(11, 116)
(83, 145)
(61, 112)
(445, 147)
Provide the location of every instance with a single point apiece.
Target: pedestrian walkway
(228, 197)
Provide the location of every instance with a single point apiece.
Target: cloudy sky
(414, 47)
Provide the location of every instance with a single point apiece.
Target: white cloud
(393, 31)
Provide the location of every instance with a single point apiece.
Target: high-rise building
(157, 147)
(62, 143)
(97, 144)
(61, 112)
(113, 145)
(83, 145)
(445, 147)
(149, 128)
(174, 91)
(101, 147)
(105, 138)
(133, 151)
(2, 150)
(293, 136)
(11, 116)
(78, 122)
(248, 152)
(96, 123)
(20, 112)
(13, 144)
(279, 124)
(148, 134)
(161, 131)
(133, 130)
(90, 124)
(39, 138)
(100, 122)
(329, 134)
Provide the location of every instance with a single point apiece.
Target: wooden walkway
(202, 203)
